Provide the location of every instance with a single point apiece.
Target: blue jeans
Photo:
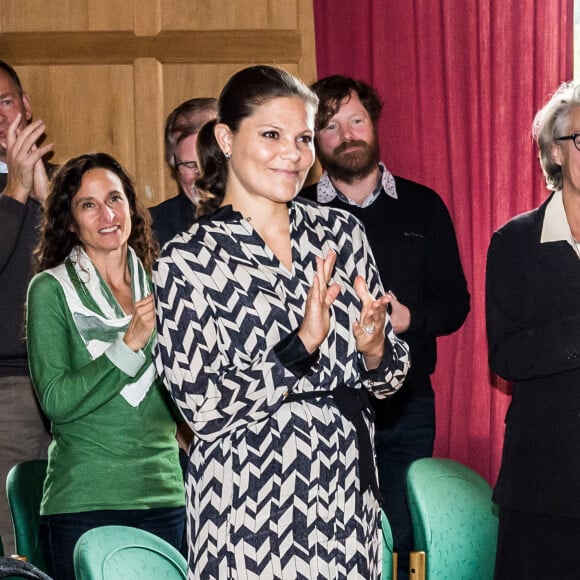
(408, 435)
(59, 533)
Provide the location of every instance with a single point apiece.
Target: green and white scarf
(101, 327)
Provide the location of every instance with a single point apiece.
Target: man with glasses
(23, 189)
(414, 244)
(181, 128)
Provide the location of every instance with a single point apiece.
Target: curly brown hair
(57, 238)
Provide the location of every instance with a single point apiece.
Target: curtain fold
(461, 81)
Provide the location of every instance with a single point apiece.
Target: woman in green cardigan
(90, 328)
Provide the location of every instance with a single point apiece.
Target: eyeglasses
(186, 166)
(574, 137)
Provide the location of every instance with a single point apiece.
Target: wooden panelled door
(104, 74)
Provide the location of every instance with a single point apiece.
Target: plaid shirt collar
(326, 191)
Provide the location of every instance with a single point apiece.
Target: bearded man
(414, 244)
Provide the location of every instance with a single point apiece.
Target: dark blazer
(172, 217)
(533, 327)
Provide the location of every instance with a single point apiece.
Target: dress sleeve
(388, 378)
(215, 394)
(68, 391)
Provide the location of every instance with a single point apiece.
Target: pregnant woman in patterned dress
(272, 331)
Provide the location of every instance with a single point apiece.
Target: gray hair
(191, 114)
(551, 122)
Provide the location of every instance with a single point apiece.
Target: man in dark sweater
(176, 214)
(414, 244)
(23, 188)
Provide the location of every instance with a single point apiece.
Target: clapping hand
(369, 331)
(321, 295)
(26, 173)
(142, 324)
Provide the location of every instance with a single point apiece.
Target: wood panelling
(85, 108)
(240, 46)
(147, 17)
(149, 124)
(104, 74)
(66, 15)
(230, 14)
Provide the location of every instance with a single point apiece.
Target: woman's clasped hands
(368, 331)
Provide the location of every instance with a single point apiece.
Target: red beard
(350, 165)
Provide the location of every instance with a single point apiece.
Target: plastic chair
(454, 524)
(113, 552)
(389, 557)
(24, 490)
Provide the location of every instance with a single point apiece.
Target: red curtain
(461, 81)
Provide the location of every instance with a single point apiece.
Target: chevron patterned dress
(273, 487)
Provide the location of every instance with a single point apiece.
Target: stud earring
(228, 154)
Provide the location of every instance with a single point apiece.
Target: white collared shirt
(556, 227)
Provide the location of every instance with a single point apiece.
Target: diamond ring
(368, 329)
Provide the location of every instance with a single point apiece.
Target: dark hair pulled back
(242, 94)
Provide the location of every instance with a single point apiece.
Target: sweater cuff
(12, 205)
(125, 359)
(292, 353)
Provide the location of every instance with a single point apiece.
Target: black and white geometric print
(273, 487)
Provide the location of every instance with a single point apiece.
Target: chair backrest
(453, 518)
(113, 552)
(387, 548)
(24, 490)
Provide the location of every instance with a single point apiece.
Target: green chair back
(453, 518)
(113, 552)
(24, 490)
(387, 548)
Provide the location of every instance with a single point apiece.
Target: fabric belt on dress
(352, 403)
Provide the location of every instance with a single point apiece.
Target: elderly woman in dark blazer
(533, 325)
